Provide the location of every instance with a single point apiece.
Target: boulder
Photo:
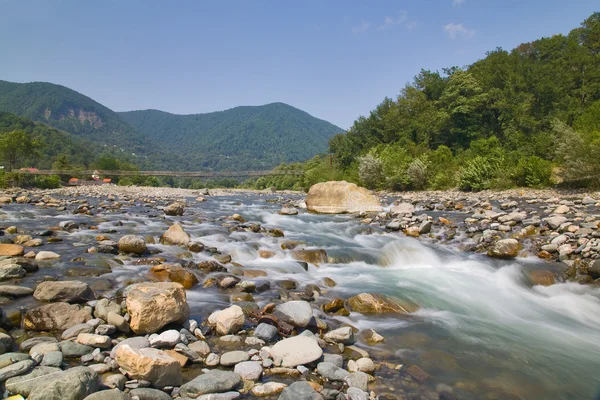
(154, 305)
(11, 271)
(15, 291)
(337, 197)
(174, 273)
(11, 250)
(46, 256)
(111, 394)
(132, 244)
(55, 317)
(504, 248)
(297, 350)
(149, 364)
(175, 209)
(301, 390)
(343, 335)
(232, 358)
(175, 235)
(229, 320)
(542, 277)
(313, 256)
(374, 303)
(288, 211)
(74, 384)
(67, 291)
(138, 342)
(214, 381)
(297, 313)
(402, 209)
(249, 370)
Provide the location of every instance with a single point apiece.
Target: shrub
(370, 171)
(533, 171)
(418, 174)
(478, 173)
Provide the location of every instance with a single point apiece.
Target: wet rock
(46, 256)
(594, 269)
(336, 306)
(562, 209)
(11, 358)
(354, 393)
(11, 271)
(11, 250)
(297, 313)
(343, 335)
(72, 349)
(288, 211)
(55, 316)
(16, 369)
(417, 373)
(175, 209)
(374, 303)
(175, 235)
(249, 370)
(229, 320)
(425, 227)
(555, 221)
(149, 394)
(154, 305)
(268, 389)
(68, 291)
(200, 347)
(504, 248)
(336, 197)
(52, 359)
(402, 209)
(111, 394)
(175, 273)
(358, 380)
(149, 364)
(74, 384)
(331, 371)
(214, 381)
(30, 343)
(93, 340)
(132, 244)
(297, 350)
(300, 391)
(232, 358)
(314, 256)
(266, 332)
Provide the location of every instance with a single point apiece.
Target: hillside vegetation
(526, 117)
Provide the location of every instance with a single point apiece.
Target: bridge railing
(198, 174)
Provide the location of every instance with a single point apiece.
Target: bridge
(186, 174)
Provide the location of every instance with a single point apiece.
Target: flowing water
(481, 328)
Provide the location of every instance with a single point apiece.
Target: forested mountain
(252, 137)
(525, 117)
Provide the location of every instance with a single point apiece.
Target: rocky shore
(81, 336)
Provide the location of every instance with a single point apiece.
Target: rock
(229, 320)
(354, 393)
(93, 340)
(365, 364)
(39, 376)
(587, 200)
(154, 305)
(11, 271)
(232, 358)
(300, 391)
(555, 221)
(72, 349)
(46, 256)
(174, 273)
(297, 313)
(335, 359)
(167, 339)
(74, 384)
(75, 330)
(15, 291)
(111, 394)
(266, 332)
(331, 371)
(67, 291)
(134, 342)
(343, 335)
(417, 373)
(402, 209)
(149, 364)
(562, 209)
(336, 197)
(214, 381)
(43, 348)
(16, 369)
(358, 380)
(132, 244)
(200, 347)
(374, 303)
(249, 370)
(52, 359)
(504, 248)
(315, 256)
(288, 211)
(175, 235)
(149, 394)
(118, 321)
(11, 358)
(425, 227)
(11, 250)
(594, 269)
(297, 350)
(541, 277)
(175, 209)
(104, 307)
(55, 316)
(268, 389)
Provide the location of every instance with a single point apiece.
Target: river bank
(379, 313)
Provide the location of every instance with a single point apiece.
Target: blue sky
(333, 59)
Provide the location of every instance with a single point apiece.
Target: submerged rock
(337, 197)
(375, 303)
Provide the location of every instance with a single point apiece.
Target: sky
(335, 59)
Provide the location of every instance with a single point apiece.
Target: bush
(418, 174)
(478, 173)
(370, 171)
(47, 182)
(532, 172)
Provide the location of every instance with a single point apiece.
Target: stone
(175, 235)
(71, 349)
(167, 339)
(46, 256)
(74, 384)
(16, 369)
(542, 277)
(343, 335)
(138, 342)
(114, 381)
(297, 313)
(132, 244)
(118, 321)
(331, 371)
(55, 317)
(354, 393)
(52, 359)
(200, 347)
(11, 250)
(337, 197)
(335, 359)
(11, 271)
(504, 248)
(266, 332)
(375, 303)
(75, 330)
(93, 340)
(402, 209)
(149, 364)
(249, 370)
(288, 211)
(11, 358)
(154, 305)
(417, 373)
(357, 379)
(214, 381)
(314, 256)
(174, 273)
(555, 221)
(15, 291)
(175, 209)
(43, 348)
(301, 390)
(39, 376)
(111, 394)
(562, 209)
(365, 364)
(229, 320)
(268, 389)
(67, 291)
(149, 394)
(232, 358)
(425, 227)
(297, 350)
(104, 307)
(594, 269)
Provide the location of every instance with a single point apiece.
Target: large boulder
(229, 320)
(175, 209)
(214, 381)
(55, 317)
(504, 248)
(68, 291)
(313, 256)
(149, 364)
(337, 197)
(11, 250)
(375, 303)
(133, 244)
(296, 350)
(175, 235)
(74, 384)
(297, 313)
(154, 305)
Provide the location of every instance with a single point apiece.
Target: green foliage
(478, 173)
(578, 154)
(533, 172)
(418, 173)
(370, 171)
(17, 145)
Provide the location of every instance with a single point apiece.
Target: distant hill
(247, 137)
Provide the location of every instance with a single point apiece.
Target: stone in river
(297, 350)
(93, 340)
(232, 358)
(300, 391)
(288, 211)
(46, 256)
(137, 342)
(297, 313)
(111, 394)
(38, 377)
(313, 256)
(104, 307)
(343, 335)
(154, 305)
(149, 394)
(417, 373)
(555, 221)
(11, 250)
(229, 320)
(74, 384)
(167, 339)
(175, 235)
(504, 248)
(402, 209)
(268, 389)
(331, 371)
(214, 381)
(55, 316)
(375, 303)
(71, 349)
(149, 364)
(594, 269)
(68, 291)
(16, 369)
(174, 273)
(336, 197)
(249, 370)
(11, 271)
(175, 209)
(541, 277)
(266, 332)
(132, 244)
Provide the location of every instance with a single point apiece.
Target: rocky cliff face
(75, 112)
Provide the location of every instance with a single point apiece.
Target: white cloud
(362, 28)
(458, 3)
(455, 31)
(391, 21)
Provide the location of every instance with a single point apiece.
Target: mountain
(247, 137)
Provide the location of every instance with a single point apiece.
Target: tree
(17, 145)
